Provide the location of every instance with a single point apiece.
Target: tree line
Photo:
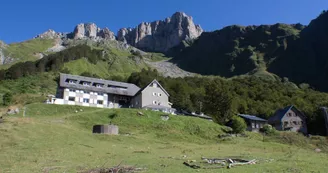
(52, 62)
(223, 98)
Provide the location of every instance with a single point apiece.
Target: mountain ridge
(269, 51)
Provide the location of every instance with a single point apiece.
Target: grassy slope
(24, 51)
(53, 137)
(29, 89)
(117, 63)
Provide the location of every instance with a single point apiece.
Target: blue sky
(23, 19)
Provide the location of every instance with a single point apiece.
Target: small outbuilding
(105, 129)
(254, 123)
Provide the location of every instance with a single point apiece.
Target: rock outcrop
(4, 59)
(2, 56)
(81, 31)
(90, 30)
(50, 34)
(160, 36)
(106, 34)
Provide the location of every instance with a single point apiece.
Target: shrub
(238, 124)
(268, 129)
(7, 98)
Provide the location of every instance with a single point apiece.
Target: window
(253, 125)
(86, 92)
(154, 102)
(159, 94)
(72, 81)
(257, 126)
(85, 100)
(289, 114)
(155, 85)
(100, 94)
(295, 122)
(99, 86)
(154, 94)
(71, 98)
(86, 84)
(100, 102)
(286, 123)
(117, 87)
(137, 102)
(72, 90)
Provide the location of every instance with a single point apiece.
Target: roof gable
(158, 84)
(279, 114)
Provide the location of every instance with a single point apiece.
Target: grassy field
(53, 138)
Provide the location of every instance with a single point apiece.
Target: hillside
(235, 50)
(103, 59)
(305, 60)
(57, 139)
(293, 51)
(25, 51)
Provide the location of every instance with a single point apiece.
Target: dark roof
(151, 83)
(282, 112)
(252, 117)
(130, 90)
(279, 114)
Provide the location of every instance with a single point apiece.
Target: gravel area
(169, 69)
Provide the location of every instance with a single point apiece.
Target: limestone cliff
(160, 36)
(90, 30)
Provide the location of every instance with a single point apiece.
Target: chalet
(154, 97)
(254, 123)
(93, 92)
(289, 119)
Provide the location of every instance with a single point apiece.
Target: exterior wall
(277, 126)
(80, 95)
(254, 126)
(294, 122)
(150, 96)
(114, 101)
(325, 115)
(136, 102)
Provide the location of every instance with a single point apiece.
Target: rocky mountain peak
(90, 30)
(157, 36)
(161, 35)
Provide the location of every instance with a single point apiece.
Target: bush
(268, 129)
(238, 124)
(7, 99)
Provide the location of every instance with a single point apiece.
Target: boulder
(165, 117)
